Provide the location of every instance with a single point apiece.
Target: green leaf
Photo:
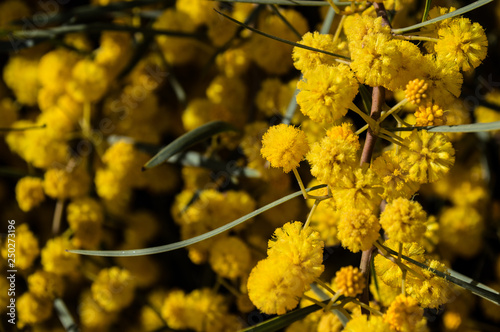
(196, 159)
(24, 128)
(458, 279)
(366, 98)
(457, 12)
(196, 239)
(189, 139)
(466, 128)
(426, 10)
(324, 297)
(292, 2)
(64, 315)
(282, 321)
(281, 39)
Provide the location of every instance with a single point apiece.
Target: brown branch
(378, 99)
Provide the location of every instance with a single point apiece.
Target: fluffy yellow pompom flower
(89, 81)
(388, 271)
(349, 281)
(85, 217)
(326, 92)
(427, 156)
(174, 310)
(431, 291)
(44, 284)
(444, 79)
(379, 60)
(57, 260)
(29, 193)
(284, 146)
(92, 316)
(395, 180)
(462, 42)
(416, 91)
(20, 75)
(430, 115)
(60, 184)
(230, 257)
(27, 248)
(32, 309)
(305, 60)
(334, 154)
(358, 229)
(301, 247)
(358, 189)
(54, 69)
(275, 286)
(113, 289)
(404, 314)
(363, 323)
(461, 230)
(404, 220)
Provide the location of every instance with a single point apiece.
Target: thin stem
(403, 286)
(344, 312)
(56, 221)
(332, 300)
(401, 121)
(393, 109)
(321, 304)
(301, 184)
(228, 286)
(422, 38)
(402, 266)
(365, 116)
(334, 6)
(360, 130)
(325, 286)
(315, 205)
(367, 307)
(339, 29)
(390, 134)
(390, 139)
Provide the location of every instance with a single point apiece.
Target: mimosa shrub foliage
(139, 127)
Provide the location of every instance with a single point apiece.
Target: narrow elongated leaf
(64, 315)
(426, 10)
(282, 321)
(196, 159)
(466, 128)
(457, 12)
(324, 297)
(24, 128)
(189, 139)
(281, 39)
(458, 279)
(292, 2)
(196, 239)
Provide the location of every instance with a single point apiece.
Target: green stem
(393, 109)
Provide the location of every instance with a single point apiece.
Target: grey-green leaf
(189, 139)
(458, 279)
(196, 239)
(457, 12)
(466, 128)
(282, 321)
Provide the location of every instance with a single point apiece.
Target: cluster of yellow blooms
(81, 113)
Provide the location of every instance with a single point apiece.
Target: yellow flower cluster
(295, 259)
(284, 146)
